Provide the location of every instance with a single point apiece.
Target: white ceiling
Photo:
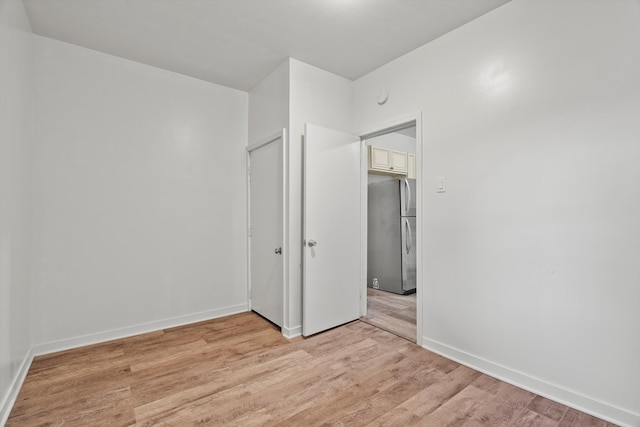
(237, 43)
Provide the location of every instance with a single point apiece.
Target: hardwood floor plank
(547, 408)
(182, 398)
(365, 379)
(488, 384)
(76, 410)
(574, 418)
(531, 418)
(459, 409)
(261, 417)
(215, 408)
(398, 416)
(239, 370)
(432, 397)
(45, 390)
(160, 385)
(392, 312)
(61, 366)
(164, 356)
(322, 381)
(393, 393)
(503, 408)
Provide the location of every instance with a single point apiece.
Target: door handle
(407, 196)
(278, 251)
(312, 243)
(409, 236)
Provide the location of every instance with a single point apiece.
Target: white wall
(269, 105)
(16, 76)
(321, 98)
(139, 197)
(531, 256)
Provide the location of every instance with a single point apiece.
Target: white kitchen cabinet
(411, 166)
(388, 162)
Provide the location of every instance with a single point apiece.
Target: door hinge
(249, 231)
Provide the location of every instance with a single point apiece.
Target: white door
(266, 230)
(332, 228)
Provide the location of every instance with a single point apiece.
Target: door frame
(285, 219)
(377, 130)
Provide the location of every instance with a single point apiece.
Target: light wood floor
(239, 370)
(392, 312)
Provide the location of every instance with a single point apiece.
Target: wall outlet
(375, 284)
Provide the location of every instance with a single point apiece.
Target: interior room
(184, 193)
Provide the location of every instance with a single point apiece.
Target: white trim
(390, 125)
(420, 214)
(364, 234)
(381, 129)
(12, 394)
(286, 253)
(293, 332)
(535, 385)
(265, 141)
(69, 343)
(248, 225)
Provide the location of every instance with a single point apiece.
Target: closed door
(332, 229)
(266, 230)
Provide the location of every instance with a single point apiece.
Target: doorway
(391, 292)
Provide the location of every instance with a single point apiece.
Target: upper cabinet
(388, 162)
(411, 167)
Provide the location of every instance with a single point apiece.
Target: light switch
(441, 188)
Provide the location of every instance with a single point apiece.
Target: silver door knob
(312, 243)
(278, 251)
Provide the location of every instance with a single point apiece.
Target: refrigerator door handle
(407, 197)
(409, 236)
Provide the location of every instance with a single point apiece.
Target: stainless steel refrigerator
(391, 247)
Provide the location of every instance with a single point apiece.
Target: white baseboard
(289, 333)
(551, 391)
(12, 394)
(69, 343)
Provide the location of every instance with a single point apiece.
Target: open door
(332, 229)
(266, 237)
